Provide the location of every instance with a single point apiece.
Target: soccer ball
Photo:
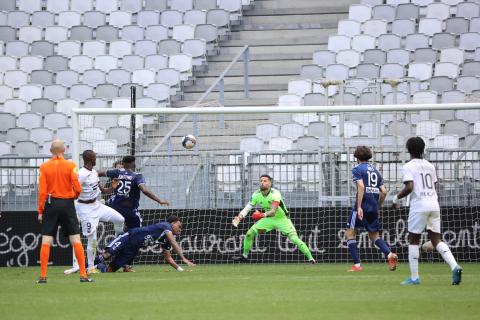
(427, 246)
(188, 141)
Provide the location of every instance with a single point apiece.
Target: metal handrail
(244, 52)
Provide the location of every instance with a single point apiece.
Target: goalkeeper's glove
(257, 215)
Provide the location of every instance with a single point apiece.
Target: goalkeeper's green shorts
(284, 225)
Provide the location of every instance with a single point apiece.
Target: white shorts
(418, 221)
(91, 213)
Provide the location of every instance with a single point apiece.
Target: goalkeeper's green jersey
(266, 201)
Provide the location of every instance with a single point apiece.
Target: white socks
(447, 255)
(91, 249)
(413, 255)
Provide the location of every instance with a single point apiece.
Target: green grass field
(324, 291)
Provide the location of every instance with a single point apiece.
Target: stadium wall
(209, 238)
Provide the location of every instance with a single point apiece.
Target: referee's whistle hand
(39, 218)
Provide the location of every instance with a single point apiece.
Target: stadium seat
(42, 77)
(446, 69)
(453, 96)
(40, 135)
(425, 55)
(143, 77)
(280, 144)
(416, 40)
(424, 97)
(133, 6)
(471, 68)
(197, 49)
(398, 56)
(171, 18)
(29, 120)
(107, 33)
(83, 33)
(442, 115)
(41, 48)
(81, 5)
(359, 12)
(374, 28)
(428, 128)
(120, 19)
(29, 34)
(7, 33)
(311, 71)
(169, 47)
(95, 19)
(363, 42)
(374, 56)
(156, 33)
(441, 84)
(350, 58)
(292, 130)
(5, 93)
(195, 17)
(15, 106)
(159, 5)
(220, 18)
(18, 19)
(300, 87)
(160, 92)
(461, 128)
(30, 63)
(338, 42)
(323, 57)
(42, 106)
(106, 63)
(106, 91)
(468, 10)
(69, 19)
(92, 134)
(181, 5)
(17, 134)
(307, 143)
(183, 63)
(443, 40)
(171, 77)
(55, 92)
(120, 134)
(403, 27)
(438, 10)
(65, 106)
(145, 47)
(16, 49)
(55, 120)
(457, 25)
(392, 71)
(467, 84)
(132, 33)
(288, 100)
(349, 28)
(266, 131)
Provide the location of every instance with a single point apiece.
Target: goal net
(309, 153)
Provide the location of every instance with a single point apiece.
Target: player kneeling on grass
(365, 212)
(125, 247)
(419, 178)
(274, 218)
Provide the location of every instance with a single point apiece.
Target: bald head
(58, 147)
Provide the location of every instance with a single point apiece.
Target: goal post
(308, 152)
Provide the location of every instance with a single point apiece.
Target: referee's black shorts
(60, 212)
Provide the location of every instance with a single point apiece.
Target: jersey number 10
(427, 180)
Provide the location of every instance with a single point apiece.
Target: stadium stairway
(282, 36)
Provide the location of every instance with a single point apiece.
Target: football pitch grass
(322, 291)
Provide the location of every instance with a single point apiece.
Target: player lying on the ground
(125, 247)
(371, 193)
(90, 210)
(274, 218)
(419, 178)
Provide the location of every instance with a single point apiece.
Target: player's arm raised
(177, 248)
(242, 215)
(152, 195)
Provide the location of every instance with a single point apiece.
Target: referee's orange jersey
(58, 178)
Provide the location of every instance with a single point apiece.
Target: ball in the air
(188, 141)
(427, 246)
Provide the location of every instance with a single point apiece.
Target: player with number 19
(371, 193)
(126, 198)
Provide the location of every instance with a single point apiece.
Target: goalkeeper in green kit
(274, 217)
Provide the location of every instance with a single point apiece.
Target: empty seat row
(108, 6)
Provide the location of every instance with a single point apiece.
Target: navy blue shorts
(370, 221)
(122, 251)
(132, 216)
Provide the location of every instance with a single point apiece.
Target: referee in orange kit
(58, 187)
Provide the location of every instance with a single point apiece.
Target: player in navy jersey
(125, 247)
(371, 193)
(126, 197)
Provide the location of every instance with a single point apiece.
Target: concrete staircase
(282, 36)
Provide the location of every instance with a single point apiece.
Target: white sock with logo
(447, 255)
(413, 255)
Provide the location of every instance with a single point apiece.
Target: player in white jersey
(90, 210)
(419, 180)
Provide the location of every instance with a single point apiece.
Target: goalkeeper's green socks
(248, 243)
(301, 246)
